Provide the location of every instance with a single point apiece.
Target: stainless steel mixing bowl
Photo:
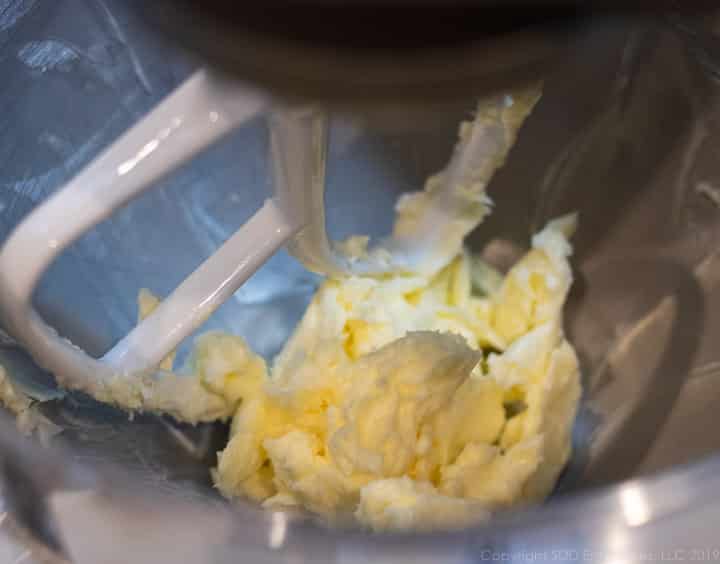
(626, 133)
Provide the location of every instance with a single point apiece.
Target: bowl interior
(624, 135)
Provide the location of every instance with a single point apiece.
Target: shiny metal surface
(626, 133)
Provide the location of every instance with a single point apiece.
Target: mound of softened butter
(408, 402)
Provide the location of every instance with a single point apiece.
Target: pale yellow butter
(382, 405)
